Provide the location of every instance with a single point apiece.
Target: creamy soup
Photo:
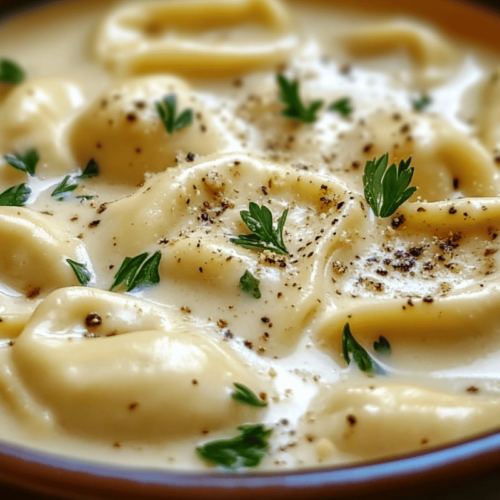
(199, 265)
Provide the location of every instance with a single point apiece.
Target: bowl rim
(53, 474)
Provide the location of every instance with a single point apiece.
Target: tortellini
(192, 213)
(33, 263)
(35, 115)
(113, 367)
(196, 37)
(122, 131)
(434, 58)
(377, 419)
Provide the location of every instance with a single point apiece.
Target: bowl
(465, 469)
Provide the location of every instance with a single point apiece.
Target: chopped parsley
(64, 188)
(264, 237)
(11, 72)
(246, 450)
(295, 108)
(360, 356)
(16, 196)
(91, 170)
(382, 346)
(139, 272)
(386, 190)
(167, 109)
(421, 103)
(250, 284)
(245, 396)
(81, 271)
(342, 106)
(26, 162)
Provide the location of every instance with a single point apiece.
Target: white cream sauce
(58, 42)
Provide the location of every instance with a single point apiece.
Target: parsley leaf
(134, 277)
(359, 355)
(245, 396)
(26, 162)
(382, 346)
(250, 284)
(260, 222)
(386, 191)
(168, 111)
(289, 95)
(64, 188)
(246, 450)
(342, 106)
(422, 103)
(11, 72)
(81, 271)
(91, 170)
(16, 196)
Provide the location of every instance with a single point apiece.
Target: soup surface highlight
(201, 264)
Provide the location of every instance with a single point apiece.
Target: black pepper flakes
(351, 419)
(397, 221)
(93, 320)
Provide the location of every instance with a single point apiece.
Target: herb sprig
(264, 236)
(250, 284)
(16, 196)
(244, 395)
(26, 162)
(91, 170)
(167, 109)
(295, 108)
(386, 190)
(11, 72)
(342, 106)
(382, 346)
(246, 450)
(64, 187)
(421, 103)
(139, 272)
(81, 272)
(359, 355)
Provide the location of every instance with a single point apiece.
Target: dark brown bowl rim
(417, 472)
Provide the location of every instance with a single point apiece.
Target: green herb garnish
(422, 103)
(82, 273)
(342, 106)
(246, 450)
(16, 196)
(84, 197)
(260, 222)
(295, 108)
(382, 346)
(64, 188)
(134, 277)
(359, 355)
(168, 111)
(26, 162)
(11, 72)
(245, 396)
(91, 170)
(250, 284)
(386, 191)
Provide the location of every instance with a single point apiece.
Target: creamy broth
(145, 377)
